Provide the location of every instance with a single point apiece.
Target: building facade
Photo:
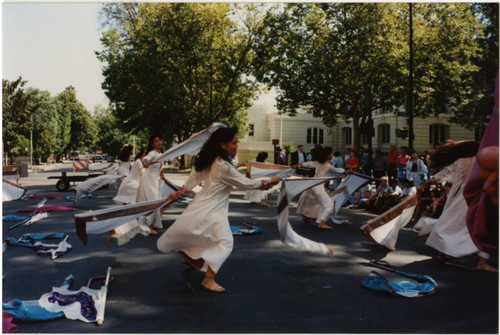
(266, 124)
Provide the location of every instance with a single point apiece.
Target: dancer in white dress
(149, 185)
(123, 164)
(315, 203)
(202, 231)
(450, 235)
(258, 196)
(127, 193)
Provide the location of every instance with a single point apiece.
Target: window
(364, 139)
(347, 135)
(478, 133)
(384, 133)
(315, 136)
(251, 131)
(438, 133)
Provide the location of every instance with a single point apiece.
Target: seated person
(382, 190)
(389, 199)
(359, 197)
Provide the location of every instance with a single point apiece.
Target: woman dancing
(123, 164)
(127, 193)
(202, 231)
(150, 180)
(315, 202)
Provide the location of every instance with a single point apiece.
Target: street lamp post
(31, 142)
(410, 94)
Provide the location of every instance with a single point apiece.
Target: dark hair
(320, 153)
(262, 156)
(445, 155)
(125, 153)
(212, 148)
(151, 141)
(139, 154)
(336, 153)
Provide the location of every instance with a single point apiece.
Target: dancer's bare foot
(209, 283)
(323, 225)
(112, 234)
(482, 265)
(263, 203)
(330, 249)
(152, 231)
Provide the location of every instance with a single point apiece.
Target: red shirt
(403, 160)
(392, 157)
(353, 161)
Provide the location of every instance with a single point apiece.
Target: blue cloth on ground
(12, 217)
(245, 231)
(403, 288)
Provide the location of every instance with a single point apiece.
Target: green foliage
(288, 147)
(344, 60)
(77, 128)
(19, 150)
(15, 112)
(175, 68)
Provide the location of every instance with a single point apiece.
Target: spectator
(364, 159)
(386, 200)
(352, 164)
(416, 169)
(402, 161)
(360, 197)
(299, 156)
(381, 190)
(347, 154)
(280, 156)
(337, 162)
(392, 158)
(380, 165)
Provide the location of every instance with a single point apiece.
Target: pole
(31, 142)
(410, 95)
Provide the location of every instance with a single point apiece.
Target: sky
(52, 46)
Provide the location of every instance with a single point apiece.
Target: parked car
(97, 158)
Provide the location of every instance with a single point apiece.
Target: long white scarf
(257, 170)
(348, 186)
(93, 184)
(191, 146)
(105, 220)
(384, 229)
(290, 188)
(12, 191)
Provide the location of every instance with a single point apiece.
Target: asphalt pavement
(271, 288)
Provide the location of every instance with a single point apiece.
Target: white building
(266, 124)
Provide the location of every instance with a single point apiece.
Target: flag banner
(290, 188)
(384, 229)
(168, 187)
(107, 168)
(81, 165)
(48, 208)
(105, 220)
(93, 184)
(191, 146)
(12, 191)
(348, 186)
(257, 170)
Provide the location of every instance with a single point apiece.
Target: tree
(77, 128)
(334, 60)
(344, 60)
(45, 123)
(477, 111)
(174, 68)
(15, 118)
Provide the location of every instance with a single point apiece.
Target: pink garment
(41, 196)
(482, 215)
(7, 325)
(50, 208)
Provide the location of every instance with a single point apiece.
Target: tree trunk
(355, 128)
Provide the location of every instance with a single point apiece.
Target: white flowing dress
(315, 203)
(149, 187)
(202, 231)
(123, 170)
(127, 193)
(450, 234)
(256, 195)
